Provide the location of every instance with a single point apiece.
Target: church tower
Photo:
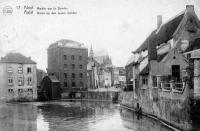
(91, 55)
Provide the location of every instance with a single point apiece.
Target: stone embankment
(171, 110)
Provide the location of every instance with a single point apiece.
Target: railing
(166, 87)
(174, 87)
(178, 87)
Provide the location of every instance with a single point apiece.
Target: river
(73, 116)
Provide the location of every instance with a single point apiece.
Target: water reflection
(20, 117)
(76, 115)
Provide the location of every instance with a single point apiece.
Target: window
(20, 81)
(80, 57)
(65, 57)
(145, 81)
(10, 81)
(80, 66)
(81, 84)
(29, 81)
(72, 57)
(81, 75)
(10, 90)
(73, 66)
(20, 70)
(65, 84)
(29, 70)
(73, 84)
(10, 70)
(73, 76)
(30, 90)
(65, 75)
(65, 66)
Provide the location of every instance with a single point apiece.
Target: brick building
(67, 60)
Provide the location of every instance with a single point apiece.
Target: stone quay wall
(173, 109)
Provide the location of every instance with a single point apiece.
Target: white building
(18, 79)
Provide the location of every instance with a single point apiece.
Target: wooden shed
(50, 88)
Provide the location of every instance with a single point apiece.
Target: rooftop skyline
(119, 27)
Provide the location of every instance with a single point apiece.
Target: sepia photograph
(99, 65)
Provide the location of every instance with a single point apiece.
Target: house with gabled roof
(166, 46)
(18, 79)
(166, 75)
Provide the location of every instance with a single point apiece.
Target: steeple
(91, 53)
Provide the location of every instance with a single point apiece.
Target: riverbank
(165, 123)
(166, 109)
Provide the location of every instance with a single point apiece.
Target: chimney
(159, 21)
(190, 8)
(152, 51)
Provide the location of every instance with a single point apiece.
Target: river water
(73, 116)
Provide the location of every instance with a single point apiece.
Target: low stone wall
(171, 108)
(110, 96)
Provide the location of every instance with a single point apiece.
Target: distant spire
(91, 52)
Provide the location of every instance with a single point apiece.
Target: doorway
(176, 72)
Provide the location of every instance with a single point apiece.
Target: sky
(115, 26)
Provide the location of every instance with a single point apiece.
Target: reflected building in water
(20, 117)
